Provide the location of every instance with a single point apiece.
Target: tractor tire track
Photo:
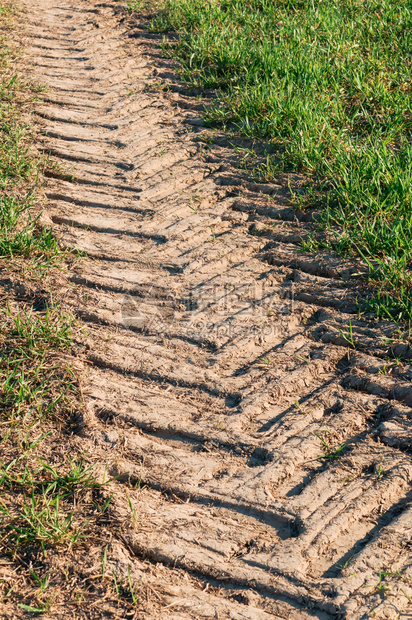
(219, 353)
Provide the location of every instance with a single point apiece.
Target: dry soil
(219, 354)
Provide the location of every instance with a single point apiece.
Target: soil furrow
(227, 368)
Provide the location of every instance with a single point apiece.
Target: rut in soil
(229, 371)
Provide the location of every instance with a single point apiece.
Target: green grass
(20, 232)
(35, 379)
(56, 513)
(43, 503)
(329, 85)
(51, 502)
(39, 393)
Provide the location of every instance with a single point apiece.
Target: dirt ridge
(219, 358)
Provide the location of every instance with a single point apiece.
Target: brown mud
(219, 354)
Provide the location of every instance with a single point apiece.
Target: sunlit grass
(329, 84)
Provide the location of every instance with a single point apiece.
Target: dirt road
(229, 372)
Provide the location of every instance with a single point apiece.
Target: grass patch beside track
(330, 85)
(20, 232)
(53, 499)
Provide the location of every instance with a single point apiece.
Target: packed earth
(256, 428)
